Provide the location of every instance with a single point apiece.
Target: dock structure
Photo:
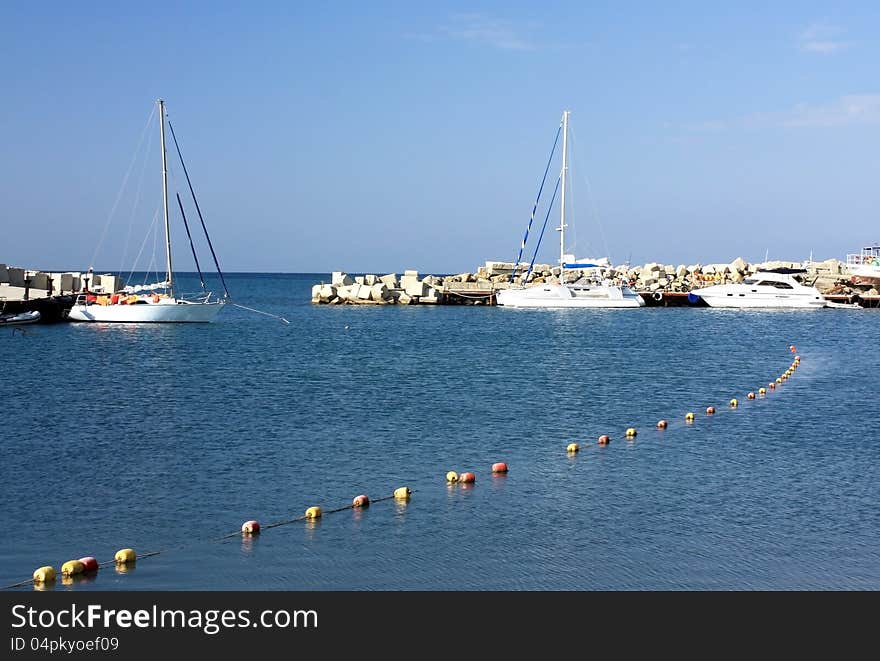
(659, 285)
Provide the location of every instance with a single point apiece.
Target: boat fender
(657, 295)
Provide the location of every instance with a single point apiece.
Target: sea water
(166, 438)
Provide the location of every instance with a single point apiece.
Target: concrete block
(370, 280)
(359, 279)
(412, 285)
(39, 280)
(4, 274)
(16, 276)
(341, 278)
(739, 264)
(389, 280)
(379, 292)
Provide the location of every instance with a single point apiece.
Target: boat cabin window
(782, 285)
(750, 281)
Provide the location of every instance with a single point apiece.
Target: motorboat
(864, 266)
(27, 317)
(773, 288)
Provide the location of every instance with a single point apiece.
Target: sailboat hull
(569, 296)
(167, 311)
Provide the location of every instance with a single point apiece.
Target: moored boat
(773, 288)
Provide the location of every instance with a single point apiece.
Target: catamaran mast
(168, 273)
(562, 195)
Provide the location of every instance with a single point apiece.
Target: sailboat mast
(168, 271)
(563, 174)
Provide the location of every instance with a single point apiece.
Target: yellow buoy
(762, 391)
(72, 567)
(779, 379)
(451, 477)
(751, 395)
(572, 448)
(631, 432)
(314, 512)
(402, 493)
(689, 416)
(44, 575)
(662, 424)
(124, 556)
(734, 402)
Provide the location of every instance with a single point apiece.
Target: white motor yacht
(777, 288)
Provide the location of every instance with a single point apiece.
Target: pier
(658, 285)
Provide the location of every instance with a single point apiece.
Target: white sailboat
(589, 291)
(159, 302)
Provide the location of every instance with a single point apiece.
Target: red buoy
(361, 501)
(250, 527)
(499, 467)
(710, 410)
(89, 563)
(604, 439)
(467, 478)
(662, 424)
(792, 348)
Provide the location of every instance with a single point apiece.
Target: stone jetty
(831, 277)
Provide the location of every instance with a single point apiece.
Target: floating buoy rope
(47, 575)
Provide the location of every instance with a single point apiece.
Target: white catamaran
(158, 302)
(589, 291)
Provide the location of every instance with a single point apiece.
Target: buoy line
(47, 575)
(664, 424)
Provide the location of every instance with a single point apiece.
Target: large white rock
(431, 296)
(739, 264)
(379, 292)
(341, 278)
(413, 286)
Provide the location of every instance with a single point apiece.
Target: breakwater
(658, 284)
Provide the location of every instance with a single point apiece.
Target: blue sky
(391, 135)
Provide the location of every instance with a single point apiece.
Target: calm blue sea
(168, 437)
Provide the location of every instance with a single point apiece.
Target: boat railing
(867, 256)
(197, 297)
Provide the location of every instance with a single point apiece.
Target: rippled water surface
(167, 437)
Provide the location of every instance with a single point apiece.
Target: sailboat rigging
(592, 290)
(145, 304)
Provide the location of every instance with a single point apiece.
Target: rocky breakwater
(651, 280)
(829, 276)
(409, 289)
